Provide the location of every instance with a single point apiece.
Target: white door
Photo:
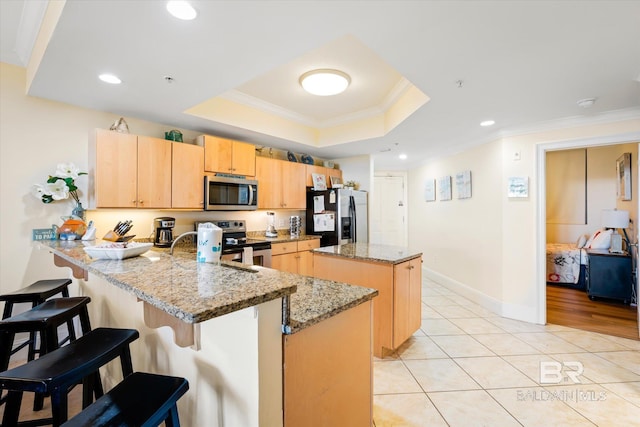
(388, 211)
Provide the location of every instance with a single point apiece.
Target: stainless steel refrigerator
(339, 216)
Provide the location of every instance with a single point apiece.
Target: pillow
(581, 241)
(602, 240)
(587, 245)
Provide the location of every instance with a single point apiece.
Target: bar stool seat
(36, 293)
(45, 319)
(55, 372)
(142, 399)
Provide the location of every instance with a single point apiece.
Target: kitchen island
(395, 272)
(235, 361)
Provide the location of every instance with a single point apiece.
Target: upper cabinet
(228, 156)
(187, 176)
(327, 172)
(129, 171)
(280, 184)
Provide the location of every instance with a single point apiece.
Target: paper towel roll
(209, 242)
(247, 255)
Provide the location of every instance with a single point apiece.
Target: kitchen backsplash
(256, 221)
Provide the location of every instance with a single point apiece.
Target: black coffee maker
(163, 231)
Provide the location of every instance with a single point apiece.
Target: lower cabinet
(328, 372)
(397, 309)
(294, 257)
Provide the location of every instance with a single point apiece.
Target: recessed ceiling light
(402, 156)
(325, 82)
(586, 103)
(110, 78)
(181, 10)
(488, 123)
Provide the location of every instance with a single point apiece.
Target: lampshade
(613, 218)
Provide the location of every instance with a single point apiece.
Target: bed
(566, 265)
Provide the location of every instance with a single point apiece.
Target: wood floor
(573, 308)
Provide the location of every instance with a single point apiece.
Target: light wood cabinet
(228, 156)
(327, 172)
(397, 309)
(294, 257)
(408, 289)
(187, 176)
(280, 183)
(129, 171)
(328, 378)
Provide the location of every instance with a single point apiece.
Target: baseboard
(511, 311)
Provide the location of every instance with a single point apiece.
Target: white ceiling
(523, 63)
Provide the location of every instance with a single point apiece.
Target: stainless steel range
(237, 247)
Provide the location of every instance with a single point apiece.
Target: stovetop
(234, 236)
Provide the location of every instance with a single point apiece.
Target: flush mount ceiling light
(488, 123)
(110, 78)
(181, 10)
(325, 82)
(586, 103)
(402, 156)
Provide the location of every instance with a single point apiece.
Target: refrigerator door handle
(352, 214)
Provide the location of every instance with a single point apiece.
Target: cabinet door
(218, 154)
(401, 302)
(116, 158)
(187, 176)
(268, 174)
(310, 170)
(305, 263)
(154, 172)
(243, 159)
(285, 262)
(294, 194)
(415, 294)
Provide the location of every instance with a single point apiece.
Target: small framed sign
(319, 181)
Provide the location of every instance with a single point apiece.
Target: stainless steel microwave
(230, 194)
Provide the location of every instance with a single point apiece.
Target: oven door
(261, 257)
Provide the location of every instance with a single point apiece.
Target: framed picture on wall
(463, 184)
(430, 190)
(623, 168)
(444, 187)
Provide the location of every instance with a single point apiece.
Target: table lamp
(613, 218)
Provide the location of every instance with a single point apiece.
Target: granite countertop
(370, 252)
(282, 237)
(195, 292)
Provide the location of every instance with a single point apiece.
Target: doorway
(572, 307)
(389, 210)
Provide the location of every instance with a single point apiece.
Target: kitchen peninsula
(395, 272)
(235, 313)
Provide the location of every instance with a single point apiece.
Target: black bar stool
(142, 399)
(36, 293)
(43, 319)
(56, 372)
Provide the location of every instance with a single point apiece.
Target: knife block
(112, 236)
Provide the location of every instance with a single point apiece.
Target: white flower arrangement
(59, 186)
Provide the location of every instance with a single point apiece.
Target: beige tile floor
(469, 367)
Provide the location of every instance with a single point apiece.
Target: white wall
(601, 192)
(486, 246)
(359, 169)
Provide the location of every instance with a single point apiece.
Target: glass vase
(78, 211)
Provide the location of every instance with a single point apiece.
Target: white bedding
(563, 262)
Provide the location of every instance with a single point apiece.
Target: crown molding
(30, 21)
(250, 101)
(570, 122)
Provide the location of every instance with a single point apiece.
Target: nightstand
(609, 275)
